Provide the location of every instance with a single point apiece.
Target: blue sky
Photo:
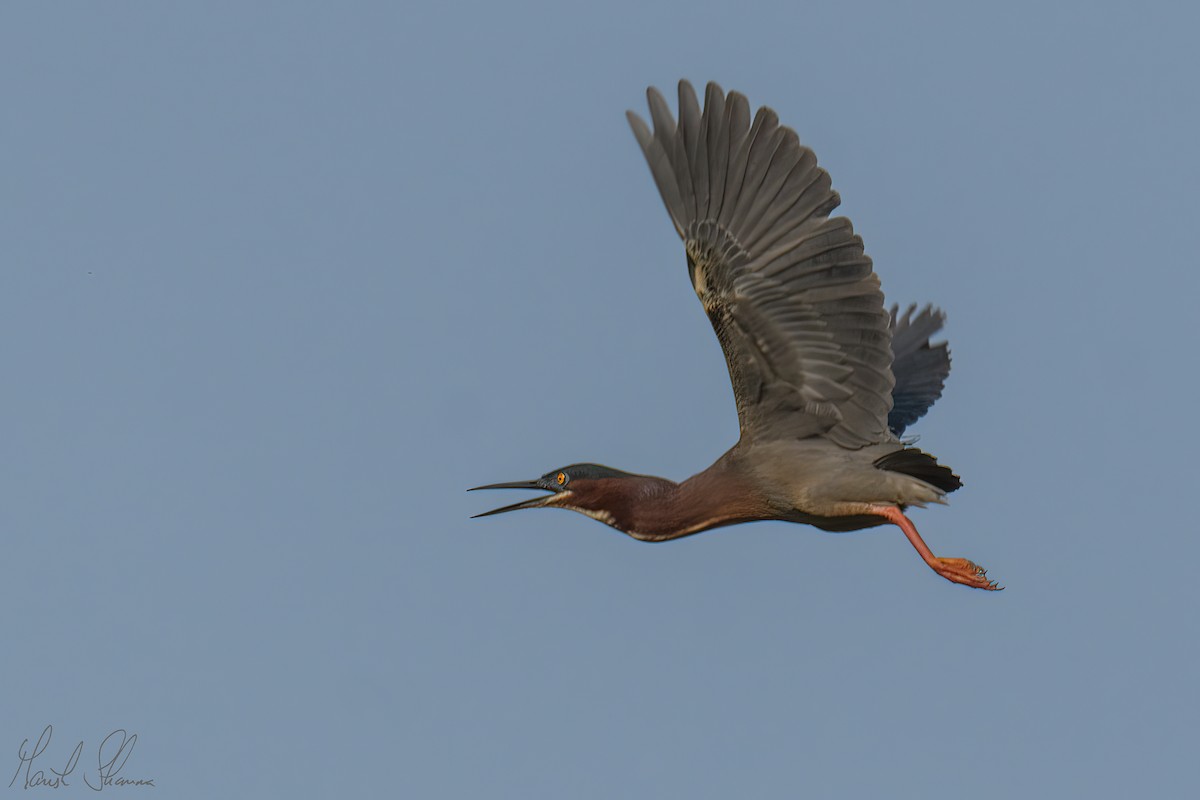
(283, 279)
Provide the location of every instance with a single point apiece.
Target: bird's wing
(790, 292)
(920, 368)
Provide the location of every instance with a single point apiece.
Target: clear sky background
(281, 280)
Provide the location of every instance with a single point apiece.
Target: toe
(968, 573)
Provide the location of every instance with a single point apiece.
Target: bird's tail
(922, 466)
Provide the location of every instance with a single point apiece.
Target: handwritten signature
(111, 756)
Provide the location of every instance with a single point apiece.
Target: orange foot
(968, 573)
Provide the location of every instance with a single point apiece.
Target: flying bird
(825, 379)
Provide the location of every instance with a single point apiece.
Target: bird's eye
(561, 478)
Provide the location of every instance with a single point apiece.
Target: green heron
(825, 379)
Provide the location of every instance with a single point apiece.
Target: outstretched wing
(789, 291)
(920, 368)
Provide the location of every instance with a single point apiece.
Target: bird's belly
(837, 524)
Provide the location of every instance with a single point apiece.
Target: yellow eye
(562, 478)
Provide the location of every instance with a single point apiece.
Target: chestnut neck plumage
(657, 509)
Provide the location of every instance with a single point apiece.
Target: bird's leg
(959, 570)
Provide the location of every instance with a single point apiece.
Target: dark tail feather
(920, 368)
(922, 466)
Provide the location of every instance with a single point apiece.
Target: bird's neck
(668, 510)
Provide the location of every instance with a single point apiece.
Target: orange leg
(959, 570)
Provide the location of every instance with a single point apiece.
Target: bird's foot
(968, 573)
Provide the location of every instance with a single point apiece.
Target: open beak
(536, 502)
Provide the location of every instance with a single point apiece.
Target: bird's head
(600, 492)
